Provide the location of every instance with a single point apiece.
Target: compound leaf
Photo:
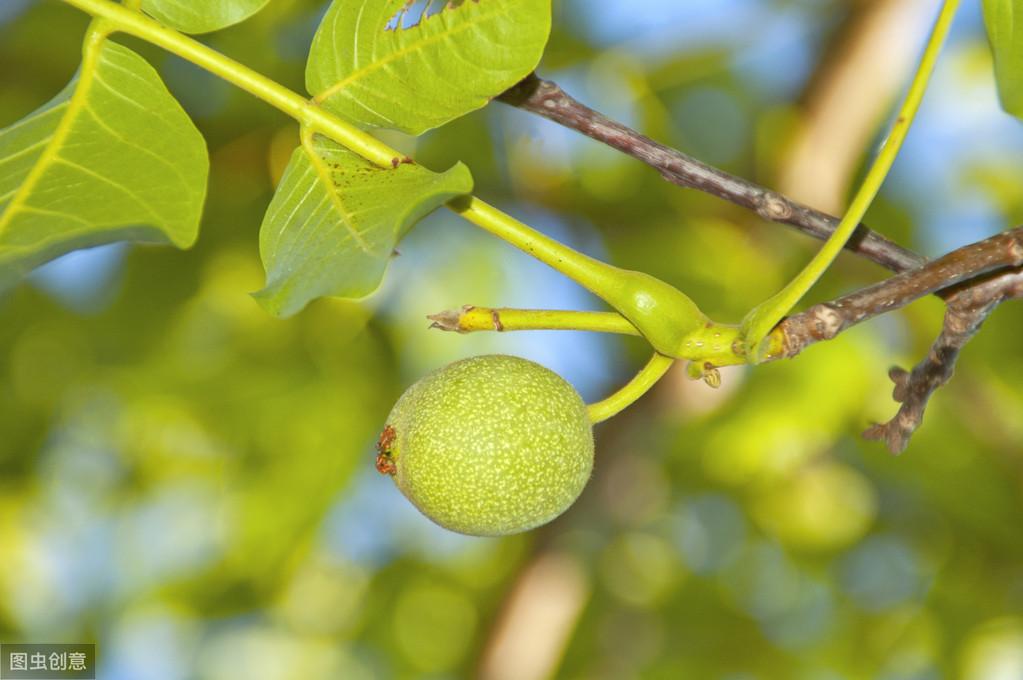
(112, 157)
(333, 223)
(1004, 22)
(201, 16)
(368, 67)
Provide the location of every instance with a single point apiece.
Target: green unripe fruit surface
(489, 446)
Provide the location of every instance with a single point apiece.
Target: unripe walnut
(489, 446)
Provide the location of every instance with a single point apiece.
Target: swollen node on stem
(659, 311)
(662, 313)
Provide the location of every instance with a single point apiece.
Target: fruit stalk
(647, 377)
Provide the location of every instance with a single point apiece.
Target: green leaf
(201, 16)
(112, 157)
(335, 219)
(416, 78)
(1004, 21)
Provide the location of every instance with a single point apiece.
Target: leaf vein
(416, 45)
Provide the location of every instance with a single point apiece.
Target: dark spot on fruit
(385, 464)
(386, 439)
(395, 162)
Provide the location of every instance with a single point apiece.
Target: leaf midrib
(75, 103)
(324, 175)
(414, 46)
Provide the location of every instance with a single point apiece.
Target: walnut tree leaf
(369, 67)
(333, 223)
(112, 157)
(201, 16)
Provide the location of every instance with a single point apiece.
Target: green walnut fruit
(489, 446)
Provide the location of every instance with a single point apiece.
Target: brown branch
(988, 273)
(967, 310)
(547, 99)
(826, 320)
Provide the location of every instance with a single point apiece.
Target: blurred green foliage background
(189, 482)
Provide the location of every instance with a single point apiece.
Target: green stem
(636, 388)
(759, 322)
(662, 314)
(470, 319)
(590, 273)
(256, 84)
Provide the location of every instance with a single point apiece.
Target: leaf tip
(273, 301)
